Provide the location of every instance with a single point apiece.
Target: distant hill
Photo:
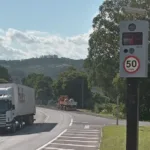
(49, 65)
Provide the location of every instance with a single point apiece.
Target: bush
(98, 107)
(104, 108)
(108, 107)
(3, 80)
(121, 110)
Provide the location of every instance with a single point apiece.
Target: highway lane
(55, 129)
(48, 125)
(84, 133)
(95, 119)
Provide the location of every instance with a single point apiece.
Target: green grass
(100, 114)
(114, 138)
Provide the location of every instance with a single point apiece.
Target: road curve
(48, 124)
(56, 129)
(84, 132)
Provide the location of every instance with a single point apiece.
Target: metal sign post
(133, 65)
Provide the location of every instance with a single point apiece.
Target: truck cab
(17, 106)
(6, 108)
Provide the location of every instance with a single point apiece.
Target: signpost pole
(117, 118)
(132, 107)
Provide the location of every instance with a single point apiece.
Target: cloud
(15, 44)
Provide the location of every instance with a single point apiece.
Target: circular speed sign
(131, 64)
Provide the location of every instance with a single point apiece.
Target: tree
(42, 85)
(119, 87)
(4, 74)
(102, 63)
(103, 53)
(73, 83)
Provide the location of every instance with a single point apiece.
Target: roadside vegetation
(116, 137)
(100, 69)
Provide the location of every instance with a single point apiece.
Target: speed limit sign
(131, 64)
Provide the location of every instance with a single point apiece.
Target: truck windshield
(4, 105)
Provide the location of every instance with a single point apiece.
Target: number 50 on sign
(131, 64)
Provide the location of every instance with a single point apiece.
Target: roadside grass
(105, 115)
(114, 138)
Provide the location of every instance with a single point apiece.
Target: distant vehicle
(64, 103)
(17, 106)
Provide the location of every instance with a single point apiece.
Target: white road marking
(76, 130)
(47, 117)
(78, 137)
(74, 145)
(57, 148)
(101, 131)
(40, 148)
(79, 122)
(81, 135)
(84, 132)
(59, 140)
(71, 122)
(1, 140)
(86, 127)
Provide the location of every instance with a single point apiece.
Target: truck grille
(2, 120)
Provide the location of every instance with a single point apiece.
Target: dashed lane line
(79, 137)
(80, 122)
(71, 122)
(59, 140)
(84, 132)
(86, 127)
(78, 130)
(54, 148)
(2, 140)
(47, 117)
(76, 145)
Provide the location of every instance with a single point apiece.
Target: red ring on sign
(134, 58)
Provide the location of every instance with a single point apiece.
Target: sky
(32, 28)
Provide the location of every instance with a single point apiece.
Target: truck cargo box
(23, 98)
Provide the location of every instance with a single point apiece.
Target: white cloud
(15, 44)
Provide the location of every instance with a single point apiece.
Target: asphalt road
(55, 130)
(48, 125)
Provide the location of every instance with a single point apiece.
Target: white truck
(17, 106)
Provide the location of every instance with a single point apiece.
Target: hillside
(48, 65)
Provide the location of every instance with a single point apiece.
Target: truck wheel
(13, 128)
(30, 120)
